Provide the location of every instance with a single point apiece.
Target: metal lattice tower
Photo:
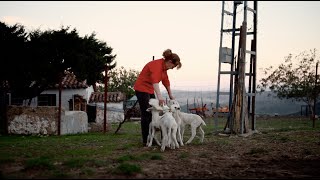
(228, 57)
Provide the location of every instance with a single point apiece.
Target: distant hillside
(264, 104)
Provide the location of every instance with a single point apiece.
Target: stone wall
(44, 121)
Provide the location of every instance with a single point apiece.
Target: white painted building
(72, 90)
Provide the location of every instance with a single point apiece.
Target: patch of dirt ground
(276, 155)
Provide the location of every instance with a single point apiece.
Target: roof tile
(111, 97)
(70, 81)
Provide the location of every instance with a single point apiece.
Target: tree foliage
(294, 79)
(122, 80)
(36, 60)
(97, 56)
(13, 50)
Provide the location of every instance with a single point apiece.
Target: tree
(66, 50)
(52, 52)
(122, 80)
(97, 55)
(35, 61)
(294, 79)
(13, 50)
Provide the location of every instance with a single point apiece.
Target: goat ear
(149, 109)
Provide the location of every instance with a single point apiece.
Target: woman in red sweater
(147, 84)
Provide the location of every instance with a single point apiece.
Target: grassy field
(89, 155)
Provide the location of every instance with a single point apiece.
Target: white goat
(194, 120)
(154, 124)
(167, 125)
(174, 106)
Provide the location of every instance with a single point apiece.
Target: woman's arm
(169, 92)
(158, 93)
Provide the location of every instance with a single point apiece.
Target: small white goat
(167, 125)
(194, 120)
(154, 124)
(174, 106)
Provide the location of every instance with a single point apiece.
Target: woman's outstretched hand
(162, 102)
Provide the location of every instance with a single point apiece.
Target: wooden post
(231, 123)
(59, 109)
(239, 118)
(105, 99)
(3, 111)
(315, 98)
(188, 106)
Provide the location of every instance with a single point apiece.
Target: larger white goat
(174, 106)
(194, 120)
(167, 125)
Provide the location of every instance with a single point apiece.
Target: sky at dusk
(139, 30)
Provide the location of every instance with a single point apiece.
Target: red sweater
(153, 72)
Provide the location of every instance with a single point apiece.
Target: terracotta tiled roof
(70, 81)
(97, 97)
